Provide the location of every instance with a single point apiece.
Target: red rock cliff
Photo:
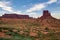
(15, 16)
(46, 14)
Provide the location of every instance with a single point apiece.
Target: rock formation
(15, 16)
(47, 20)
(46, 15)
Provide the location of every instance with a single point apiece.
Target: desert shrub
(29, 38)
(10, 30)
(33, 24)
(51, 35)
(4, 38)
(0, 29)
(46, 29)
(40, 35)
(1, 22)
(5, 28)
(17, 36)
(11, 33)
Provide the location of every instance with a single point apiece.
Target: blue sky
(33, 8)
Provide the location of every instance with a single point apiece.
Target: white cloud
(40, 6)
(51, 1)
(2, 12)
(34, 15)
(6, 7)
(18, 12)
(56, 15)
(36, 7)
(58, 2)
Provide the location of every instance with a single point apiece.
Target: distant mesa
(46, 14)
(15, 16)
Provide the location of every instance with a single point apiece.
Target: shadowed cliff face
(46, 15)
(44, 27)
(47, 20)
(15, 16)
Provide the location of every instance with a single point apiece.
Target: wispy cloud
(58, 2)
(33, 14)
(51, 1)
(40, 6)
(56, 15)
(36, 7)
(6, 7)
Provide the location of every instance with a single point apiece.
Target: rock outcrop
(46, 15)
(15, 16)
(47, 20)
